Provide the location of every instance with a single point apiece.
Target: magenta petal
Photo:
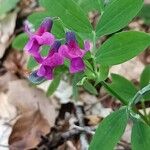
(45, 26)
(77, 65)
(63, 50)
(29, 45)
(54, 48)
(33, 47)
(48, 38)
(41, 72)
(45, 39)
(45, 71)
(54, 61)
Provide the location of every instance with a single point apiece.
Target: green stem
(94, 42)
(139, 94)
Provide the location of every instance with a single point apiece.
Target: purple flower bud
(45, 26)
(71, 38)
(54, 47)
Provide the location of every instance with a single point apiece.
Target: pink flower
(74, 53)
(53, 60)
(41, 37)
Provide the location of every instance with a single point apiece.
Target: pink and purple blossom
(41, 37)
(74, 53)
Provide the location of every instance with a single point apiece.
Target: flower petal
(54, 48)
(45, 26)
(54, 61)
(63, 50)
(45, 71)
(77, 65)
(45, 39)
(33, 48)
(71, 38)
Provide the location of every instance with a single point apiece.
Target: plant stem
(94, 42)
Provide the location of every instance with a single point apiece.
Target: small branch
(53, 142)
(84, 129)
(83, 138)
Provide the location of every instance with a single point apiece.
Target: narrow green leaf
(112, 92)
(31, 64)
(123, 87)
(140, 139)
(103, 73)
(110, 131)
(145, 14)
(89, 87)
(122, 47)
(145, 77)
(20, 41)
(145, 80)
(70, 13)
(117, 15)
(53, 85)
(76, 79)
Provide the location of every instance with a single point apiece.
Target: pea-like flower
(53, 60)
(41, 37)
(74, 53)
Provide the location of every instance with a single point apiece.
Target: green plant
(69, 16)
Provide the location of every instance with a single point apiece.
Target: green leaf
(7, 5)
(123, 87)
(54, 85)
(69, 12)
(112, 92)
(76, 79)
(140, 139)
(117, 15)
(31, 64)
(103, 73)
(145, 77)
(145, 13)
(110, 131)
(145, 80)
(20, 41)
(122, 47)
(90, 5)
(89, 87)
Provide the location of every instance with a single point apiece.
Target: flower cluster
(57, 53)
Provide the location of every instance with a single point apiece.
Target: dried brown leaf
(26, 97)
(28, 130)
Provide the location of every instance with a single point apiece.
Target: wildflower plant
(72, 48)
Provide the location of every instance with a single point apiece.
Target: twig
(52, 142)
(83, 138)
(84, 129)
